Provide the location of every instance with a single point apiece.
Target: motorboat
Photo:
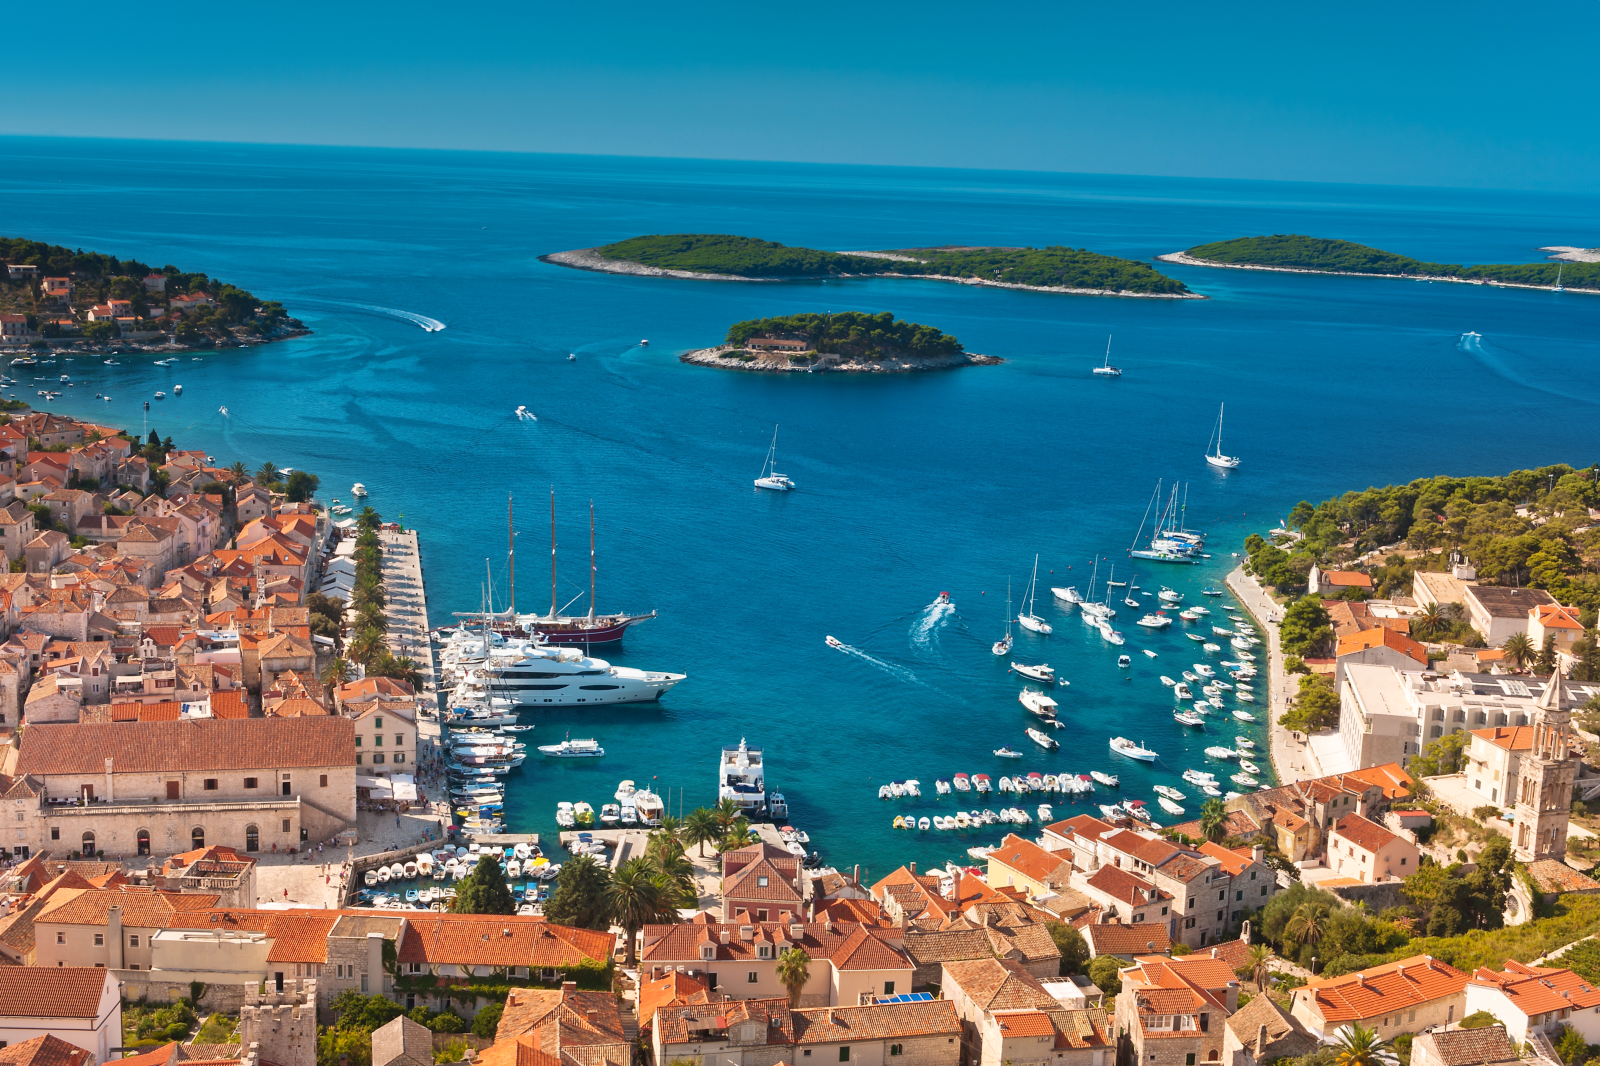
(1149, 653)
(1111, 635)
(1007, 753)
(1167, 595)
(1212, 592)
(610, 814)
(1168, 806)
(1124, 662)
(1244, 779)
(1154, 620)
(1167, 681)
(1211, 790)
(1045, 813)
(1199, 777)
(1219, 752)
(1244, 742)
(963, 783)
(573, 749)
(770, 478)
(923, 823)
(1181, 691)
(358, 489)
(1215, 457)
(1043, 740)
(370, 878)
(1042, 673)
(1242, 714)
(1246, 695)
(1108, 780)
(1202, 706)
(565, 818)
(1204, 670)
(1037, 703)
(941, 787)
(1221, 632)
(1188, 718)
(981, 783)
(1124, 746)
(1248, 767)
(1068, 595)
(1027, 619)
(583, 813)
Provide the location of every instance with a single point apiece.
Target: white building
(1528, 998)
(81, 1005)
(1377, 720)
(1498, 613)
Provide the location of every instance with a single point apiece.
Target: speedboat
(941, 786)
(981, 783)
(963, 783)
(1199, 777)
(1169, 792)
(1045, 813)
(834, 642)
(1167, 681)
(1154, 621)
(1044, 741)
(1124, 662)
(1166, 595)
(1242, 714)
(1149, 653)
(1037, 703)
(1244, 779)
(1249, 767)
(1109, 780)
(610, 814)
(1067, 595)
(1042, 673)
(1244, 742)
(1188, 718)
(1181, 691)
(1219, 752)
(1168, 806)
(1007, 753)
(1111, 635)
(1124, 746)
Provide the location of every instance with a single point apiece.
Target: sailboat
(1559, 271)
(770, 478)
(1108, 371)
(1027, 619)
(1163, 548)
(1227, 462)
(1002, 647)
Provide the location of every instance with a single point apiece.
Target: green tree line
(851, 333)
(1321, 253)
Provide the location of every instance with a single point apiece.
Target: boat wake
(429, 325)
(889, 668)
(927, 625)
(1489, 358)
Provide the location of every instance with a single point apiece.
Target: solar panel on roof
(907, 997)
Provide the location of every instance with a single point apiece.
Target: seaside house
(1397, 997)
(1364, 851)
(1378, 646)
(1528, 999)
(1332, 583)
(1175, 1010)
(1486, 1046)
(1260, 1032)
(1556, 622)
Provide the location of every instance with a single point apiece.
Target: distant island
(51, 296)
(1319, 255)
(722, 257)
(847, 342)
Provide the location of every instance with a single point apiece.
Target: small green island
(723, 257)
(1319, 255)
(849, 342)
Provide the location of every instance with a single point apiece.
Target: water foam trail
(889, 668)
(1472, 344)
(925, 630)
(430, 325)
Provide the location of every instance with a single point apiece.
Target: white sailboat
(770, 478)
(1027, 619)
(1108, 371)
(1559, 270)
(1003, 647)
(1216, 458)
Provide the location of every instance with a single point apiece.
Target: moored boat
(1124, 746)
(1043, 740)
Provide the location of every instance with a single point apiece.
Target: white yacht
(530, 673)
(358, 489)
(1216, 458)
(1108, 371)
(1027, 619)
(770, 478)
(741, 777)
(1124, 746)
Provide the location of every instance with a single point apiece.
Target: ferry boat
(741, 777)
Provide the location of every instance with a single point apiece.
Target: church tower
(1545, 780)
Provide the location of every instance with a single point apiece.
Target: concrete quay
(408, 603)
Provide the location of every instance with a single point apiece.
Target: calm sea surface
(907, 485)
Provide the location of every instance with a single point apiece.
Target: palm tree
(1519, 649)
(1213, 819)
(678, 872)
(238, 473)
(336, 673)
(266, 474)
(726, 812)
(1255, 965)
(636, 898)
(737, 835)
(1309, 923)
(1359, 1046)
(368, 519)
(366, 646)
(701, 828)
(371, 616)
(1430, 622)
(405, 669)
(794, 969)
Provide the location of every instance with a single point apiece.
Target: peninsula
(848, 342)
(1295, 254)
(721, 257)
(52, 296)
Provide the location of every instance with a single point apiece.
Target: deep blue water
(908, 485)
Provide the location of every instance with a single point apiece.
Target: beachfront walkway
(1292, 759)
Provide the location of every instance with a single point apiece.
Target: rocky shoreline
(729, 357)
(1185, 259)
(590, 259)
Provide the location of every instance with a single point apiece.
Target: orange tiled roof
(64, 992)
(1382, 637)
(1555, 616)
(1512, 738)
(146, 908)
(1111, 939)
(1363, 833)
(1030, 860)
(192, 745)
(1379, 990)
(1539, 990)
(47, 1050)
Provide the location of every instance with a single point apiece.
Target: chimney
(114, 936)
(1361, 978)
(1258, 853)
(1213, 953)
(568, 986)
(1261, 1040)
(110, 797)
(1244, 933)
(855, 878)
(723, 935)
(375, 962)
(913, 868)
(594, 1017)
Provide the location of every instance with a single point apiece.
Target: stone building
(1173, 1012)
(280, 1025)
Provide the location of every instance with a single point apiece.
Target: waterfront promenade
(408, 603)
(1292, 759)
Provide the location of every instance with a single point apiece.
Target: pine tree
(484, 891)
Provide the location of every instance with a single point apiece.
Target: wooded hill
(750, 257)
(1296, 252)
(851, 333)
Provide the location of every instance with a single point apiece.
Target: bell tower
(1545, 780)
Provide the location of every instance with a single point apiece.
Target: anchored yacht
(534, 674)
(741, 777)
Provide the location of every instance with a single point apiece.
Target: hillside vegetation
(750, 257)
(851, 333)
(1318, 253)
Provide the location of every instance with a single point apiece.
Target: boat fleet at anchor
(405, 884)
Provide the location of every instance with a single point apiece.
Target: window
(1191, 904)
(172, 790)
(1222, 895)
(286, 828)
(211, 784)
(377, 723)
(1188, 923)
(1252, 875)
(377, 741)
(358, 740)
(249, 782)
(761, 916)
(844, 1053)
(895, 1049)
(398, 740)
(377, 758)
(88, 844)
(324, 782)
(399, 756)
(1402, 860)
(1163, 910)
(61, 938)
(99, 940)
(761, 882)
(197, 837)
(252, 838)
(750, 978)
(1189, 1059)
(888, 988)
(133, 941)
(55, 832)
(358, 758)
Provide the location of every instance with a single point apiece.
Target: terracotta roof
(64, 992)
(1555, 616)
(1032, 861)
(1373, 992)
(190, 745)
(760, 881)
(1143, 938)
(1382, 637)
(1123, 886)
(517, 1051)
(1233, 952)
(1363, 833)
(1086, 825)
(161, 1056)
(1286, 1037)
(949, 945)
(45, 1050)
(145, 908)
(1537, 990)
(1472, 1047)
(995, 985)
(1511, 738)
(1347, 578)
(1553, 876)
(882, 1021)
(777, 1020)
(1390, 777)
(670, 988)
(496, 940)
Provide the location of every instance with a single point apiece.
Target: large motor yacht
(741, 777)
(530, 673)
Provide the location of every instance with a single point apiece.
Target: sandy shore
(721, 357)
(1292, 759)
(1185, 259)
(590, 259)
(1574, 255)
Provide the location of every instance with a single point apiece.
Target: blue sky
(1473, 94)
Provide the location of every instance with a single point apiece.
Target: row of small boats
(453, 864)
(972, 819)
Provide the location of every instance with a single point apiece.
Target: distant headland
(1295, 254)
(844, 342)
(722, 257)
(51, 296)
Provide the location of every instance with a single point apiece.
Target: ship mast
(591, 560)
(552, 554)
(511, 553)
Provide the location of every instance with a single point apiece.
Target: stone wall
(137, 985)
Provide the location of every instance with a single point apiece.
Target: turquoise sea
(907, 485)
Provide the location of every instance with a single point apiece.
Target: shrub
(488, 1020)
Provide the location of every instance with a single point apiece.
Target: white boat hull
(1226, 462)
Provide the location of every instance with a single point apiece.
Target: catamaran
(1226, 462)
(770, 478)
(1027, 619)
(1109, 371)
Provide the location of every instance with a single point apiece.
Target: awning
(405, 787)
(378, 785)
